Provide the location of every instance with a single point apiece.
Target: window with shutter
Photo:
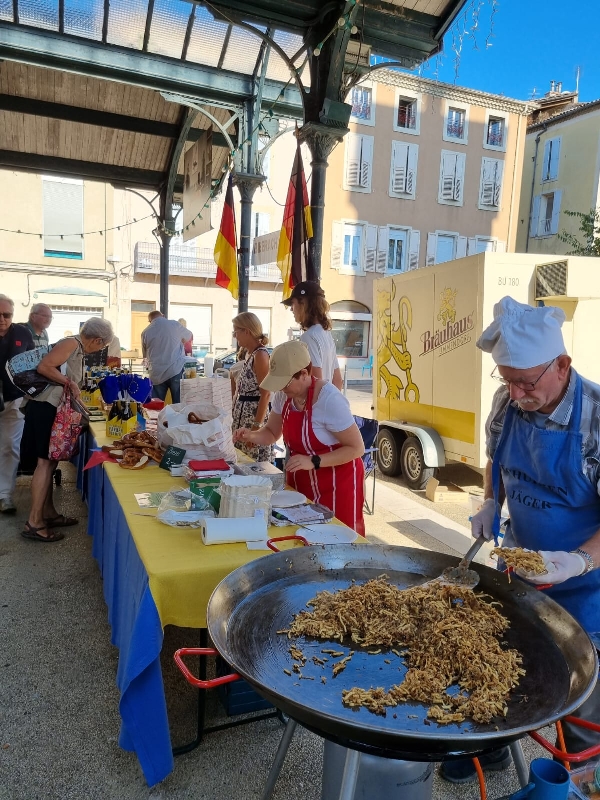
(551, 158)
(63, 217)
(359, 159)
(452, 171)
(352, 248)
(361, 99)
(337, 235)
(490, 187)
(555, 212)
(455, 124)
(382, 248)
(414, 243)
(403, 174)
(397, 247)
(534, 221)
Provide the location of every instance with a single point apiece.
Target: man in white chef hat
(543, 447)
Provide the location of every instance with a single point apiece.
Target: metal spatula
(462, 575)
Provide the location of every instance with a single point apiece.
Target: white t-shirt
(321, 347)
(331, 412)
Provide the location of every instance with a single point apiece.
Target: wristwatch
(316, 460)
(589, 561)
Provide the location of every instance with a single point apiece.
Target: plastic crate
(238, 697)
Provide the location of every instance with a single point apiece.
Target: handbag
(66, 429)
(22, 371)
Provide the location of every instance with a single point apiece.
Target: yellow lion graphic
(447, 312)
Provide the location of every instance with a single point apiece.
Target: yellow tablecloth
(182, 570)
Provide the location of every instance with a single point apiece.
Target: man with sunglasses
(543, 447)
(14, 339)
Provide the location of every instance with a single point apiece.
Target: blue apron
(552, 505)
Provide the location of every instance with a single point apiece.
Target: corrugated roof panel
(84, 18)
(242, 51)
(207, 39)
(169, 22)
(290, 43)
(6, 10)
(40, 13)
(126, 23)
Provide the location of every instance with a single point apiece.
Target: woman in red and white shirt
(319, 430)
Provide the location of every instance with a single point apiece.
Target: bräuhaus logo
(454, 334)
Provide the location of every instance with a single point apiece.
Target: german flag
(293, 258)
(226, 247)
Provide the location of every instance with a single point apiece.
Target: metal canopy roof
(99, 88)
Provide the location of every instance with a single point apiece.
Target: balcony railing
(456, 130)
(192, 262)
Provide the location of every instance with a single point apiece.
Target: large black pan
(260, 598)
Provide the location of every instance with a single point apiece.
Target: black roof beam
(105, 21)
(91, 170)
(148, 25)
(188, 33)
(86, 116)
(61, 16)
(224, 47)
(16, 11)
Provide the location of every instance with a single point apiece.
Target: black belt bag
(248, 397)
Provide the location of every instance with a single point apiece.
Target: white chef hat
(522, 336)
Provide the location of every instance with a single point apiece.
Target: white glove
(482, 521)
(560, 566)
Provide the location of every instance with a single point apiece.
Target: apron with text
(339, 488)
(552, 505)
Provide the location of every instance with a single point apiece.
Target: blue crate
(238, 697)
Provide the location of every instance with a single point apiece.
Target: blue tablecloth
(136, 629)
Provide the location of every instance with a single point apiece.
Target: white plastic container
(245, 496)
(209, 364)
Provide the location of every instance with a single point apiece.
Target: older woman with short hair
(63, 367)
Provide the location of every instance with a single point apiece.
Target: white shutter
(546, 160)
(371, 258)
(411, 175)
(414, 242)
(491, 181)
(460, 177)
(353, 150)
(366, 165)
(555, 212)
(431, 249)
(452, 175)
(63, 216)
(461, 247)
(398, 176)
(337, 243)
(471, 246)
(500, 246)
(535, 216)
(498, 182)
(383, 241)
(554, 158)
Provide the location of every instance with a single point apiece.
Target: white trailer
(432, 387)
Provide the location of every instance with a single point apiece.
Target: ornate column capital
(247, 184)
(321, 139)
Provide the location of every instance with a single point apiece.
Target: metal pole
(165, 244)
(350, 775)
(247, 185)
(284, 745)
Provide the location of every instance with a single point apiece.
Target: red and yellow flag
(293, 257)
(226, 247)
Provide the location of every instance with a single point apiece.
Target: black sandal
(32, 533)
(60, 521)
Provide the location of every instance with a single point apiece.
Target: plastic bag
(176, 510)
(209, 440)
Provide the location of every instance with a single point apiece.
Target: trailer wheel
(415, 473)
(388, 454)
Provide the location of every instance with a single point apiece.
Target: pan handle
(584, 755)
(274, 547)
(201, 651)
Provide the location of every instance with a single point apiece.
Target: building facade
(428, 173)
(561, 173)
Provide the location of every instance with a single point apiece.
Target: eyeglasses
(293, 378)
(6, 314)
(525, 386)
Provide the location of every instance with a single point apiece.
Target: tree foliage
(589, 226)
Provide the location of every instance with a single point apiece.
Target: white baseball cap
(286, 360)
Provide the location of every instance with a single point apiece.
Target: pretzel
(154, 453)
(137, 463)
(195, 419)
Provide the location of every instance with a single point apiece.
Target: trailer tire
(388, 453)
(412, 462)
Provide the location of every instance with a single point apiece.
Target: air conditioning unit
(551, 280)
(357, 52)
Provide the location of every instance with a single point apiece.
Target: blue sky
(532, 42)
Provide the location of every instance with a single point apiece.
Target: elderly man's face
(42, 318)
(6, 316)
(550, 384)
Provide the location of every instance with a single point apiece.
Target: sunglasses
(6, 314)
